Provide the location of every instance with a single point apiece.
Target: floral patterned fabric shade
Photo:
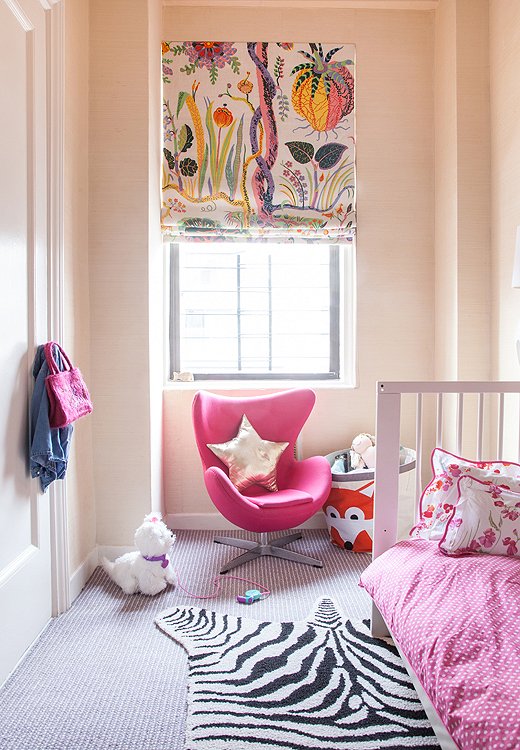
(259, 140)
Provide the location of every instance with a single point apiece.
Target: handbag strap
(51, 362)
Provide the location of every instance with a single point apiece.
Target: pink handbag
(69, 398)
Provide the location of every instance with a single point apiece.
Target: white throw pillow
(440, 496)
(485, 519)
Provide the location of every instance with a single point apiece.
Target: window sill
(257, 385)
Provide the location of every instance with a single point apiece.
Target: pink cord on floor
(217, 582)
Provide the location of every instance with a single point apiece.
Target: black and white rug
(323, 683)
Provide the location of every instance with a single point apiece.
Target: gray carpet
(103, 677)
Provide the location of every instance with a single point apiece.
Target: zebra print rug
(323, 683)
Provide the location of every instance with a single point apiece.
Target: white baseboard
(82, 573)
(216, 522)
(181, 521)
(112, 551)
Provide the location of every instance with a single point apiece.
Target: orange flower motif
(245, 86)
(165, 47)
(222, 117)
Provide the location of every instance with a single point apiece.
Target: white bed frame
(386, 490)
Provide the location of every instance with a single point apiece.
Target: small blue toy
(253, 595)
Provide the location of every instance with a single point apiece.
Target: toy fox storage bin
(349, 512)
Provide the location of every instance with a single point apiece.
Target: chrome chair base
(274, 548)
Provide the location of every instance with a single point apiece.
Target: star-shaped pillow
(250, 459)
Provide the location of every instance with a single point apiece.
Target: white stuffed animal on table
(363, 454)
(148, 569)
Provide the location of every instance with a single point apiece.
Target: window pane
(262, 309)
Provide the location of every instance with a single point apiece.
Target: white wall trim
(306, 4)
(85, 569)
(82, 573)
(55, 280)
(216, 522)
(15, 565)
(175, 521)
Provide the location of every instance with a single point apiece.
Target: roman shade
(259, 141)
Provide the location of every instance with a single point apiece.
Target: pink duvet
(457, 620)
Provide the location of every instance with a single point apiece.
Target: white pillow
(485, 519)
(440, 495)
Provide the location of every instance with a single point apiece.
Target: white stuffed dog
(149, 568)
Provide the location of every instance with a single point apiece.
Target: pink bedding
(457, 621)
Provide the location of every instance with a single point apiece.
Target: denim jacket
(49, 449)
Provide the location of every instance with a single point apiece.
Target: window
(257, 311)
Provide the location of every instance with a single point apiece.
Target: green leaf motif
(300, 151)
(329, 55)
(178, 50)
(336, 77)
(235, 64)
(188, 167)
(301, 79)
(302, 66)
(203, 168)
(213, 73)
(283, 107)
(314, 85)
(326, 81)
(329, 155)
(169, 158)
(189, 69)
(185, 138)
(183, 95)
(229, 170)
(198, 224)
(492, 523)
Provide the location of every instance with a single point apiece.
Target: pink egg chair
(303, 486)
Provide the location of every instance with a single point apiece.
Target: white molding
(14, 566)
(20, 16)
(85, 569)
(59, 548)
(309, 4)
(175, 521)
(55, 145)
(216, 522)
(82, 573)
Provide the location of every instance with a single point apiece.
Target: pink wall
(395, 208)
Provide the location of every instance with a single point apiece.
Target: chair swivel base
(275, 548)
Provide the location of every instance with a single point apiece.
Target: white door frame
(55, 11)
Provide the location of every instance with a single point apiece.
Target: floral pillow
(440, 496)
(486, 519)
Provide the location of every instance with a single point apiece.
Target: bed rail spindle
(418, 453)
(386, 485)
(480, 431)
(460, 420)
(438, 440)
(500, 426)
